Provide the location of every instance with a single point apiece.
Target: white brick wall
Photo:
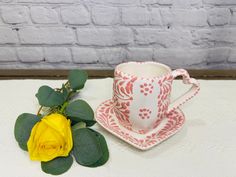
(111, 55)
(14, 14)
(46, 35)
(103, 15)
(135, 16)
(75, 15)
(57, 54)
(30, 54)
(103, 33)
(44, 15)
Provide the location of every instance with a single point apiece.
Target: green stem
(63, 107)
(39, 110)
(60, 89)
(70, 94)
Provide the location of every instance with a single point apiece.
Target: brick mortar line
(112, 47)
(115, 5)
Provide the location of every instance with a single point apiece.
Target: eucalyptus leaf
(104, 148)
(80, 110)
(86, 147)
(58, 165)
(23, 146)
(88, 123)
(77, 79)
(78, 126)
(23, 127)
(48, 97)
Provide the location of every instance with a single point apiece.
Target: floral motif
(144, 113)
(163, 100)
(146, 88)
(174, 120)
(122, 96)
(123, 87)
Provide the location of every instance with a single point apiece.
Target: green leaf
(58, 165)
(23, 127)
(80, 111)
(23, 146)
(78, 126)
(104, 148)
(77, 79)
(48, 97)
(86, 147)
(88, 123)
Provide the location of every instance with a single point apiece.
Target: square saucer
(170, 125)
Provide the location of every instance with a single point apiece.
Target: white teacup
(141, 94)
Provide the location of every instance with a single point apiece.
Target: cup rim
(122, 73)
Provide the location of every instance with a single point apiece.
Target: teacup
(141, 94)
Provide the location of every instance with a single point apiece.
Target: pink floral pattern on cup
(146, 88)
(144, 113)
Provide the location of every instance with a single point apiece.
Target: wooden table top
(61, 74)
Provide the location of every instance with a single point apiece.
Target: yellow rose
(50, 138)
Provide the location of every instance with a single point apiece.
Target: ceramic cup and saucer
(140, 111)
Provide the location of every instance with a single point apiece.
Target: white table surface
(204, 147)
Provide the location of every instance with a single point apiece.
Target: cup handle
(189, 94)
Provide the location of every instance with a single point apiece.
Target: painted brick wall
(103, 33)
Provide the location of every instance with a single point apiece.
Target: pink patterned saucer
(170, 125)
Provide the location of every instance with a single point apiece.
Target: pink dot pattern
(146, 88)
(144, 113)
